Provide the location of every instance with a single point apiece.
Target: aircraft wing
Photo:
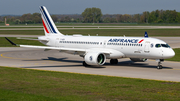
(68, 49)
(105, 51)
(56, 48)
(33, 39)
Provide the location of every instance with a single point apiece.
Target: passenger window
(158, 45)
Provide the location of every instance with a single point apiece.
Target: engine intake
(94, 58)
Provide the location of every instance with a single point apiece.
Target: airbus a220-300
(96, 49)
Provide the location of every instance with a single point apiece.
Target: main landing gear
(159, 63)
(85, 64)
(114, 61)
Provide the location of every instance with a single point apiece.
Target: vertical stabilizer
(145, 35)
(49, 26)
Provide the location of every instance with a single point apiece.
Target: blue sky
(19, 7)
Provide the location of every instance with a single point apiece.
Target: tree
(87, 15)
(26, 18)
(54, 17)
(17, 21)
(36, 17)
(97, 14)
(136, 18)
(67, 19)
(178, 18)
(144, 17)
(152, 17)
(92, 15)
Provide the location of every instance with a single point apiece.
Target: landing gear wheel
(114, 61)
(159, 64)
(85, 64)
(159, 67)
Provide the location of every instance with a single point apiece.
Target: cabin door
(146, 47)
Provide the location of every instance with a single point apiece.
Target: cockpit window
(158, 45)
(162, 45)
(165, 45)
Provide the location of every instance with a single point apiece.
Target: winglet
(12, 43)
(145, 35)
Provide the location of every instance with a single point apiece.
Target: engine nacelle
(94, 58)
(138, 59)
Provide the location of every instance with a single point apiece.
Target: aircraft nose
(169, 54)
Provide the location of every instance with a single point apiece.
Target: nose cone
(168, 54)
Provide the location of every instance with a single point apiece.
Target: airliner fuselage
(126, 47)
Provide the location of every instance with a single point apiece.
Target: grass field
(100, 32)
(33, 85)
(5, 43)
(177, 55)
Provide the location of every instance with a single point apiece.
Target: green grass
(22, 32)
(100, 32)
(177, 55)
(126, 32)
(28, 85)
(5, 43)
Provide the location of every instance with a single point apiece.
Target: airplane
(96, 49)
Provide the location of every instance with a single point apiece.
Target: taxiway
(54, 60)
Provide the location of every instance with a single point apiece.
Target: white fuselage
(130, 47)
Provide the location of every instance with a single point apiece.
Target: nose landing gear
(159, 63)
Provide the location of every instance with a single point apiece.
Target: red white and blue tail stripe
(49, 26)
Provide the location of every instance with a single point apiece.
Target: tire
(114, 61)
(159, 67)
(85, 64)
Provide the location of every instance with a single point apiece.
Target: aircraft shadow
(121, 63)
(54, 66)
(137, 64)
(56, 59)
(63, 60)
(95, 67)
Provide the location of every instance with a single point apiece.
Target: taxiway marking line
(2, 55)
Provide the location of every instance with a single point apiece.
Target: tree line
(94, 15)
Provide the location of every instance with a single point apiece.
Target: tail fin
(145, 35)
(49, 26)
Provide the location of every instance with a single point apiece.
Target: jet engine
(94, 58)
(138, 59)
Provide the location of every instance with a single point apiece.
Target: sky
(19, 7)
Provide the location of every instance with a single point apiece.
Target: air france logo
(126, 40)
(90, 58)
